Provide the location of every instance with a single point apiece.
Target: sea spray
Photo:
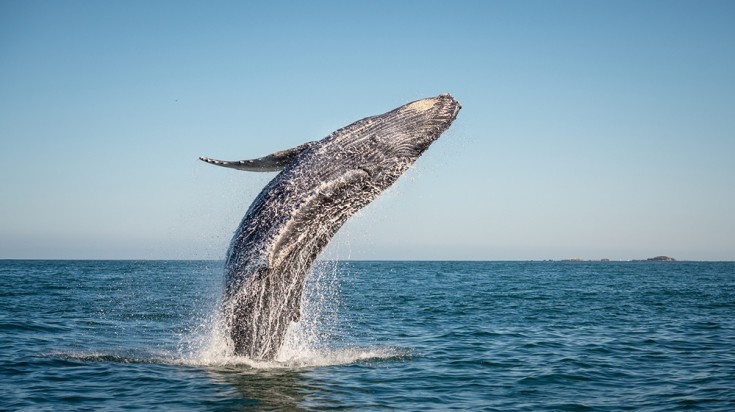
(320, 303)
(209, 343)
(318, 339)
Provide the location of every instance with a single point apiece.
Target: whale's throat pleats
(319, 216)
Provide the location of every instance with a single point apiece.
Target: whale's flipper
(271, 163)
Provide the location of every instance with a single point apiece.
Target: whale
(320, 185)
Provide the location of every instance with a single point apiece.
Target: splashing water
(311, 342)
(319, 307)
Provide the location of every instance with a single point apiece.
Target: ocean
(504, 336)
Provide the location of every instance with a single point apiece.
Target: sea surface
(505, 336)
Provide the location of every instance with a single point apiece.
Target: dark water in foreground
(91, 335)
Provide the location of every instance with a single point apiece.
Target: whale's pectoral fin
(271, 163)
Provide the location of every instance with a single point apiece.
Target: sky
(589, 129)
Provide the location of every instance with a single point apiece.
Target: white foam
(298, 360)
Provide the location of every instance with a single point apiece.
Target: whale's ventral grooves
(321, 184)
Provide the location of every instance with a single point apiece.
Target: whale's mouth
(452, 104)
(456, 106)
(442, 109)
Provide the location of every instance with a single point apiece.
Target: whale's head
(426, 119)
(411, 127)
(385, 145)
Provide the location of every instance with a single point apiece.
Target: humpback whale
(320, 185)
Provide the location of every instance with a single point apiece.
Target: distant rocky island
(653, 259)
(657, 259)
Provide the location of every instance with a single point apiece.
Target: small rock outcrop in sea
(657, 259)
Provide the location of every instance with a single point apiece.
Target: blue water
(650, 336)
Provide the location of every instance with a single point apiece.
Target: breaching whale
(321, 184)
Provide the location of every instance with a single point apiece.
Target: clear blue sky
(589, 129)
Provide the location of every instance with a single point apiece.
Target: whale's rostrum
(321, 184)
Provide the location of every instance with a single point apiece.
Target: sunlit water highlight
(374, 335)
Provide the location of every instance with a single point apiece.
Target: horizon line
(564, 260)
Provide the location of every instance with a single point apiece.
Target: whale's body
(321, 185)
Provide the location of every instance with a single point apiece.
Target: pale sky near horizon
(589, 129)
